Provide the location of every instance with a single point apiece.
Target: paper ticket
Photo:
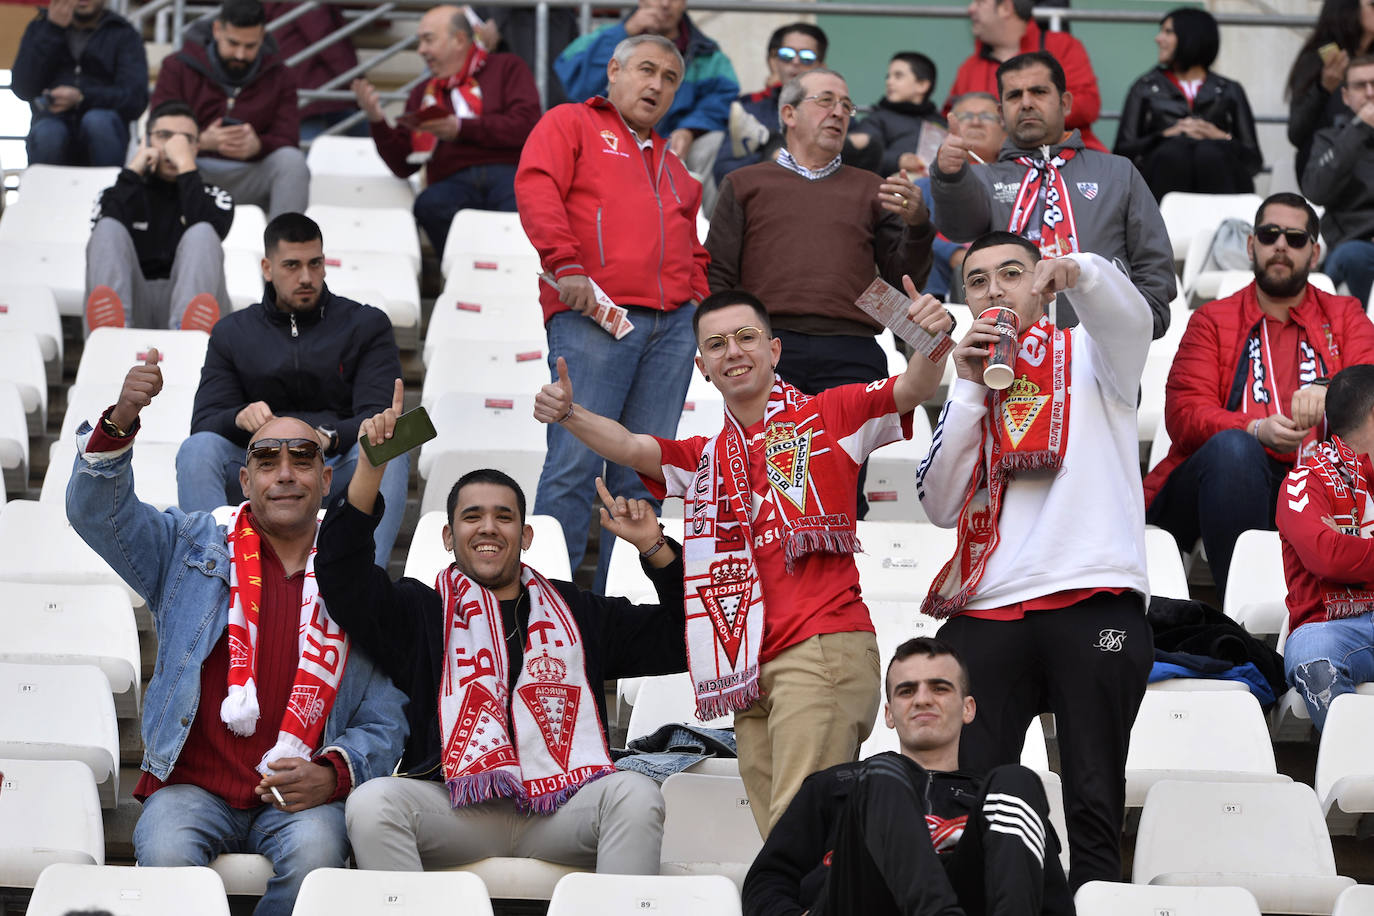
(889, 305)
(613, 319)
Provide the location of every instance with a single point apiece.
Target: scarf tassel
(1045, 460)
(942, 608)
(476, 788)
(800, 543)
(723, 704)
(550, 802)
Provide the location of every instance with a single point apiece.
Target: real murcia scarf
(322, 645)
(1026, 428)
(1337, 466)
(1058, 234)
(1258, 396)
(459, 94)
(559, 745)
(725, 603)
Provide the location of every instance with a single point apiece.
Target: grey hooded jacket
(1115, 214)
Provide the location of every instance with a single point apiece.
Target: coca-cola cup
(1001, 366)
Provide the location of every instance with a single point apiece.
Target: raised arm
(922, 377)
(606, 437)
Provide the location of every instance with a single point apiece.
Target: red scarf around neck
(1058, 233)
(1259, 394)
(1026, 429)
(439, 92)
(1337, 467)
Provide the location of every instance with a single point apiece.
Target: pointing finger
(604, 494)
(398, 398)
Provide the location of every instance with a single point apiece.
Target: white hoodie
(1082, 526)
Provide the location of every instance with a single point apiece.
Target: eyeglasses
(1268, 234)
(965, 117)
(828, 101)
(1364, 87)
(805, 55)
(268, 450)
(1009, 276)
(745, 338)
(162, 136)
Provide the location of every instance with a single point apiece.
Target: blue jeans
(98, 137)
(1228, 486)
(185, 825)
(640, 380)
(1327, 658)
(1352, 263)
(477, 187)
(208, 477)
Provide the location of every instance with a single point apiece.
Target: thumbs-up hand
(554, 402)
(141, 385)
(380, 427)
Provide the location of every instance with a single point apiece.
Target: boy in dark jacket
(83, 71)
(301, 352)
(154, 258)
(909, 833)
(244, 99)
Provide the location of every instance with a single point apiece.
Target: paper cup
(1000, 370)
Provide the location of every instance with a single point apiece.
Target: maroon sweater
(809, 248)
(510, 108)
(267, 100)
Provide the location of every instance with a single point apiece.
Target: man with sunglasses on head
(1340, 177)
(301, 352)
(1045, 594)
(260, 716)
(154, 258)
(506, 672)
(777, 632)
(1246, 394)
(805, 234)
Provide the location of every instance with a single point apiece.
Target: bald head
(284, 428)
(285, 486)
(445, 38)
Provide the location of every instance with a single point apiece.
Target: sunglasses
(268, 450)
(1268, 234)
(805, 55)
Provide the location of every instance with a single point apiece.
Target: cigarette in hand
(976, 158)
(277, 795)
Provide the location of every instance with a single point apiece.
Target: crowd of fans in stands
(488, 687)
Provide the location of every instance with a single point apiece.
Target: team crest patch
(238, 652)
(787, 456)
(305, 703)
(554, 707)
(479, 736)
(612, 141)
(726, 601)
(1088, 189)
(1023, 404)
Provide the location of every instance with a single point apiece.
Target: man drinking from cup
(1044, 596)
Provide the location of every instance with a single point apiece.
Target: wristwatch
(333, 435)
(1321, 381)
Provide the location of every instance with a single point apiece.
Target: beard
(1277, 287)
(236, 68)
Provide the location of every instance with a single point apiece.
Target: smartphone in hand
(412, 428)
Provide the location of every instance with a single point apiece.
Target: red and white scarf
(724, 598)
(322, 645)
(453, 94)
(559, 745)
(1259, 395)
(1026, 428)
(1058, 233)
(1338, 468)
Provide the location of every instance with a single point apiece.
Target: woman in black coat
(1187, 128)
(1344, 30)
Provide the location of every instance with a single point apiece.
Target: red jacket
(510, 109)
(592, 205)
(1210, 352)
(1315, 556)
(267, 101)
(978, 73)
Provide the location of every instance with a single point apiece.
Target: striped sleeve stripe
(1012, 816)
(935, 438)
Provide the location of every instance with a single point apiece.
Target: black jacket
(1154, 103)
(157, 213)
(897, 128)
(335, 365)
(112, 72)
(1340, 177)
(401, 626)
(790, 871)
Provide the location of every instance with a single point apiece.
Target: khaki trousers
(820, 699)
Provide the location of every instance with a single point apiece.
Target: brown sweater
(809, 248)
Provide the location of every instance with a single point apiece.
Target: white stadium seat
(37, 544)
(14, 435)
(508, 368)
(33, 308)
(368, 229)
(667, 699)
(708, 827)
(167, 419)
(487, 235)
(110, 353)
(1186, 215)
(1355, 901)
(891, 483)
(244, 874)
(1164, 564)
(128, 891)
(56, 203)
(1109, 898)
(245, 233)
(517, 877)
(1269, 838)
(625, 577)
(61, 712)
(586, 894)
(491, 426)
(1256, 590)
(901, 559)
(331, 891)
(378, 278)
(49, 812)
(1345, 770)
(58, 266)
(21, 362)
(155, 472)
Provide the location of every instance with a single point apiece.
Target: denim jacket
(179, 563)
